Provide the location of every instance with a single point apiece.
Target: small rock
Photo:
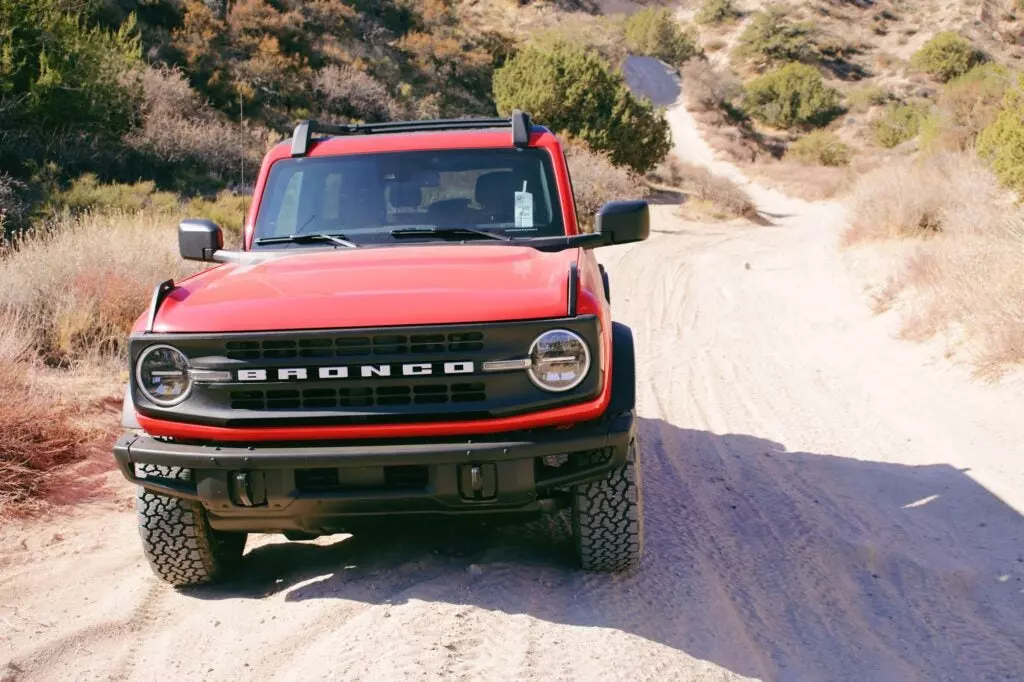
(746, 265)
(475, 571)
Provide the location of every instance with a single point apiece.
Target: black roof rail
(519, 122)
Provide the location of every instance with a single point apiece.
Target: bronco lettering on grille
(410, 369)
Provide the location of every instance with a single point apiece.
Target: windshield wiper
(338, 239)
(446, 232)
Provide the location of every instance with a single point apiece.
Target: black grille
(376, 396)
(355, 346)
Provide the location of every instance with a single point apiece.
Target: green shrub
(654, 32)
(227, 210)
(966, 106)
(716, 12)
(861, 99)
(821, 147)
(794, 95)
(946, 56)
(1001, 143)
(568, 88)
(58, 73)
(86, 193)
(901, 122)
(771, 37)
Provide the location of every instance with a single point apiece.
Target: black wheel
(180, 545)
(607, 518)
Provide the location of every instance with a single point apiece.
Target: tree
(772, 37)
(794, 95)
(1002, 142)
(946, 56)
(568, 88)
(716, 12)
(654, 32)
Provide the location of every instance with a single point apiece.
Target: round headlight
(162, 375)
(559, 360)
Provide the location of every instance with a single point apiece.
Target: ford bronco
(415, 326)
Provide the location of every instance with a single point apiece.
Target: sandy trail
(822, 503)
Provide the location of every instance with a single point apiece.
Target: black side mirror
(199, 239)
(621, 222)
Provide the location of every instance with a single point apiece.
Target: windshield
(365, 197)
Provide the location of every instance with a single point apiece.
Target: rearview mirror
(621, 222)
(199, 239)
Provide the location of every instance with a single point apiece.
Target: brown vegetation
(707, 196)
(37, 434)
(963, 277)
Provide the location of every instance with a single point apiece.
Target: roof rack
(519, 122)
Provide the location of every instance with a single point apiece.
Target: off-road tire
(607, 518)
(180, 545)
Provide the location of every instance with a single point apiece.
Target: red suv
(414, 326)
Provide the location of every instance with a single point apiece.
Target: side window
(286, 220)
(332, 193)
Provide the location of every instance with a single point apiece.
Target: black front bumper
(328, 488)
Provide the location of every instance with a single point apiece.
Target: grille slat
(354, 346)
(380, 396)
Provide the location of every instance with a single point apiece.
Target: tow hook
(478, 481)
(249, 488)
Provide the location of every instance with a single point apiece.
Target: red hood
(372, 287)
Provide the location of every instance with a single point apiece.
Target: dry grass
(708, 196)
(964, 277)
(80, 284)
(813, 183)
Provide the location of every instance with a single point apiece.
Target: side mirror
(199, 239)
(621, 222)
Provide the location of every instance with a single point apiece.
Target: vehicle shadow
(770, 563)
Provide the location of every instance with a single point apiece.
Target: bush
(348, 93)
(37, 436)
(716, 12)
(966, 106)
(1001, 143)
(227, 210)
(62, 73)
(771, 38)
(965, 277)
(901, 122)
(709, 195)
(183, 141)
(654, 32)
(863, 98)
(596, 180)
(794, 95)
(946, 56)
(87, 194)
(821, 147)
(13, 207)
(571, 89)
(708, 89)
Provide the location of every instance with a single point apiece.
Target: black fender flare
(623, 370)
(606, 281)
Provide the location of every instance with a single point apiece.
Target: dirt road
(822, 503)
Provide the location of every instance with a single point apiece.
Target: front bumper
(326, 488)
